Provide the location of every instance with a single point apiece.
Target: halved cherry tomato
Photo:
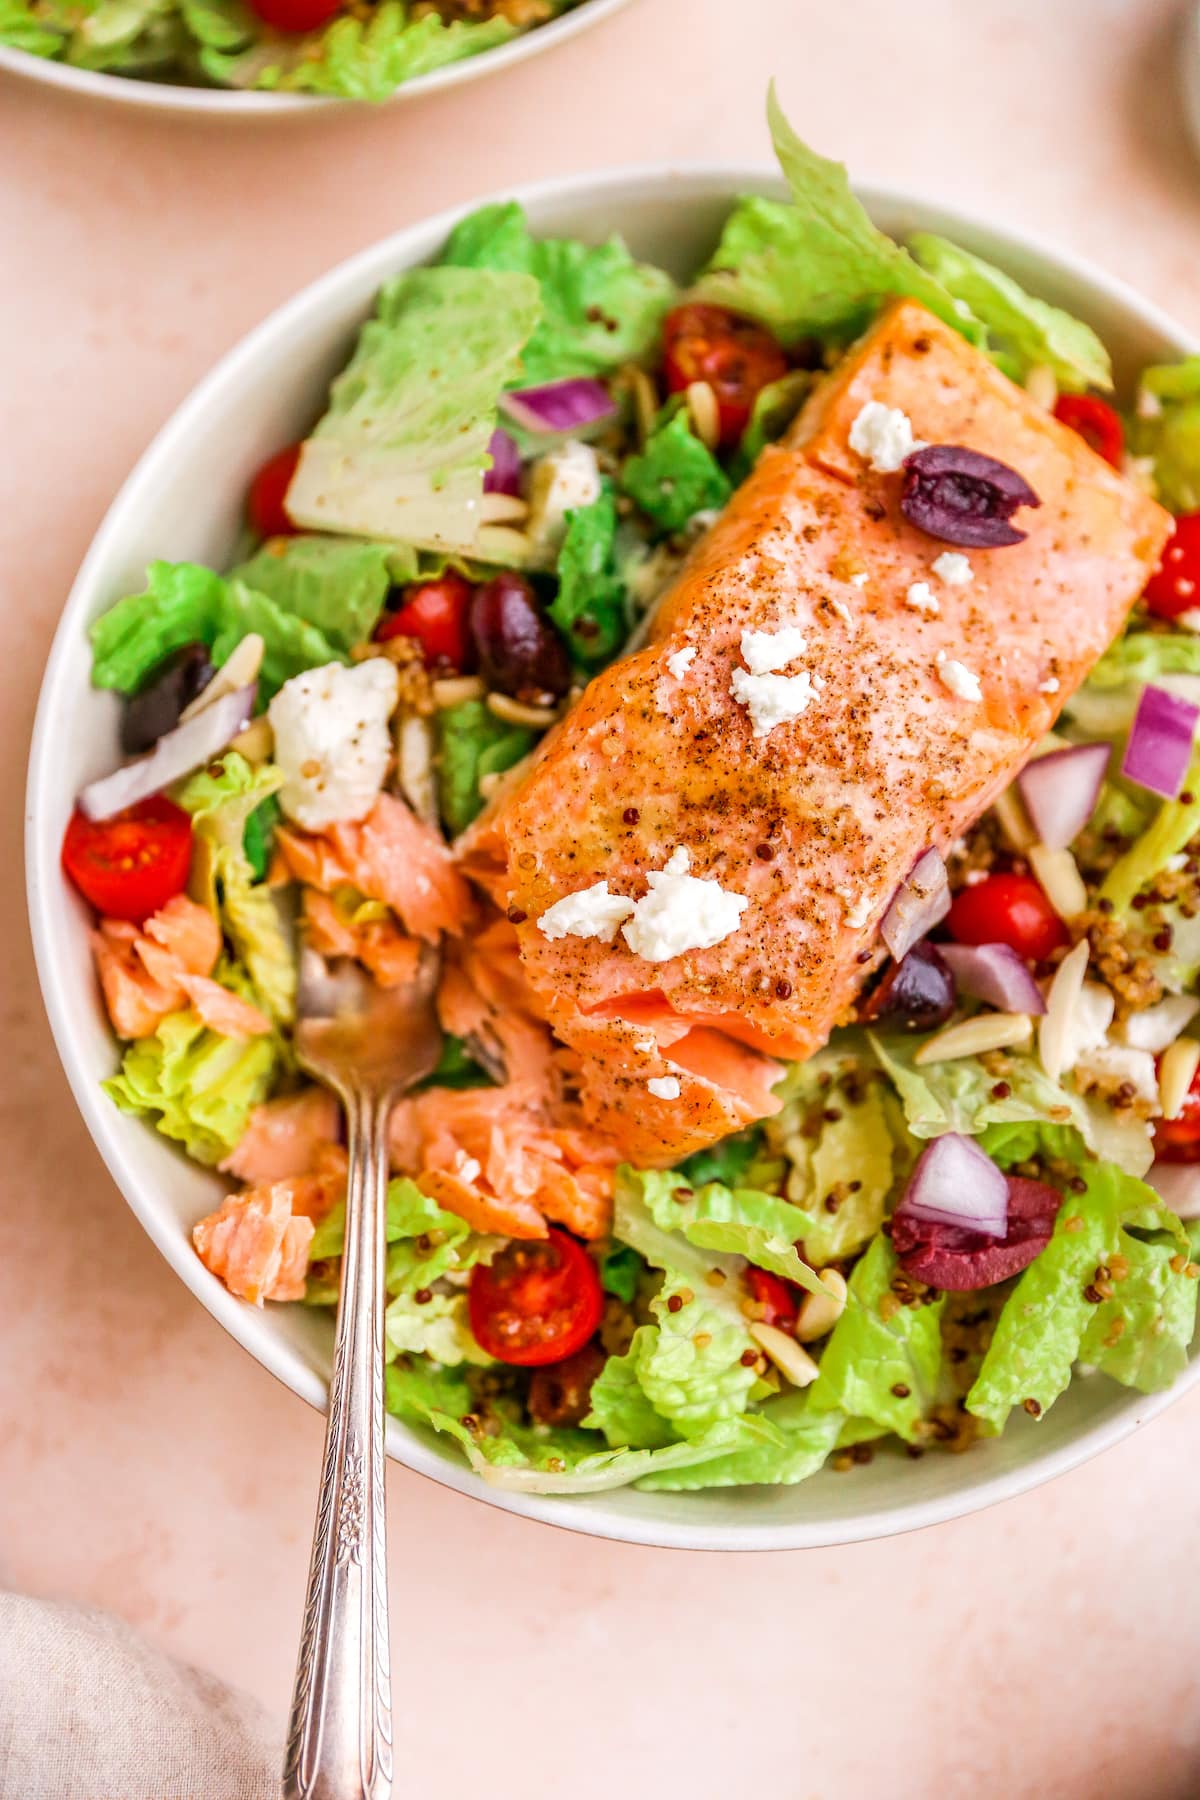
(537, 1302)
(264, 502)
(1174, 587)
(1007, 909)
(296, 15)
(1096, 423)
(131, 865)
(435, 613)
(780, 1298)
(735, 356)
(1177, 1140)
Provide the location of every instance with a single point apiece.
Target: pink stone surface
(1048, 1647)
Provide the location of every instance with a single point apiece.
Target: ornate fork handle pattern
(340, 1733)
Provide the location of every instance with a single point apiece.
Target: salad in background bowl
(868, 1258)
(258, 57)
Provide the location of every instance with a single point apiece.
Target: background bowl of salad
(238, 58)
(185, 501)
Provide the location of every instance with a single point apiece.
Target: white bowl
(184, 500)
(179, 98)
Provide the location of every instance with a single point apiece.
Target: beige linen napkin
(88, 1711)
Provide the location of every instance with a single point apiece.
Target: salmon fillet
(389, 856)
(916, 719)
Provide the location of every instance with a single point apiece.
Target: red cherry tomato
(537, 1302)
(736, 357)
(435, 613)
(1007, 909)
(1177, 1140)
(1174, 587)
(264, 502)
(131, 865)
(296, 15)
(1096, 423)
(780, 1298)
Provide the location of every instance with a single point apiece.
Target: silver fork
(369, 1045)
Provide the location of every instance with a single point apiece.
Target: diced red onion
(1177, 1186)
(1160, 743)
(504, 476)
(920, 902)
(1060, 791)
(995, 974)
(954, 1183)
(560, 405)
(194, 742)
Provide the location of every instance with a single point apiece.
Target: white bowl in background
(181, 99)
(184, 500)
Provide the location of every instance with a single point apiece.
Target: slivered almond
(787, 1355)
(238, 670)
(414, 765)
(819, 1313)
(971, 1037)
(503, 509)
(1041, 386)
(517, 712)
(1013, 819)
(1175, 1074)
(645, 399)
(257, 741)
(1060, 880)
(453, 690)
(703, 413)
(1061, 1001)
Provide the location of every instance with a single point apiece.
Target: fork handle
(339, 1743)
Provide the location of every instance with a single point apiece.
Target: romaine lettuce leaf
(437, 1327)
(675, 476)
(1172, 437)
(621, 1272)
(222, 798)
(600, 308)
(591, 608)
(619, 1406)
(402, 450)
(1056, 1314)
(184, 603)
(1024, 330)
(473, 742)
(727, 1161)
(337, 584)
(690, 1365)
(792, 1442)
(869, 1356)
(1173, 826)
(1104, 706)
(845, 1146)
(194, 1085)
(662, 1218)
(818, 267)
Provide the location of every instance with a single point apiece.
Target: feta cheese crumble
(591, 912)
(858, 907)
(332, 740)
(953, 568)
(773, 700)
(664, 1087)
(961, 681)
(920, 598)
(680, 661)
(467, 1168)
(765, 651)
(883, 437)
(1049, 686)
(681, 912)
(860, 580)
(566, 476)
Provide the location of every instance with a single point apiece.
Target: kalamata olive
(916, 994)
(560, 1393)
(520, 653)
(171, 685)
(963, 497)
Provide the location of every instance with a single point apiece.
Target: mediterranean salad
(344, 51)
(492, 671)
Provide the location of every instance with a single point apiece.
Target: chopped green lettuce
(1104, 706)
(791, 1442)
(337, 584)
(425, 1241)
(659, 1216)
(817, 267)
(870, 1356)
(621, 1272)
(620, 1407)
(471, 743)
(1173, 826)
(1056, 1314)
(959, 1096)
(184, 603)
(194, 1085)
(1172, 436)
(726, 1161)
(600, 308)
(591, 608)
(402, 450)
(259, 835)
(437, 1326)
(1022, 331)
(675, 476)
(690, 1367)
(355, 57)
(775, 406)
(222, 799)
(845, 1145)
